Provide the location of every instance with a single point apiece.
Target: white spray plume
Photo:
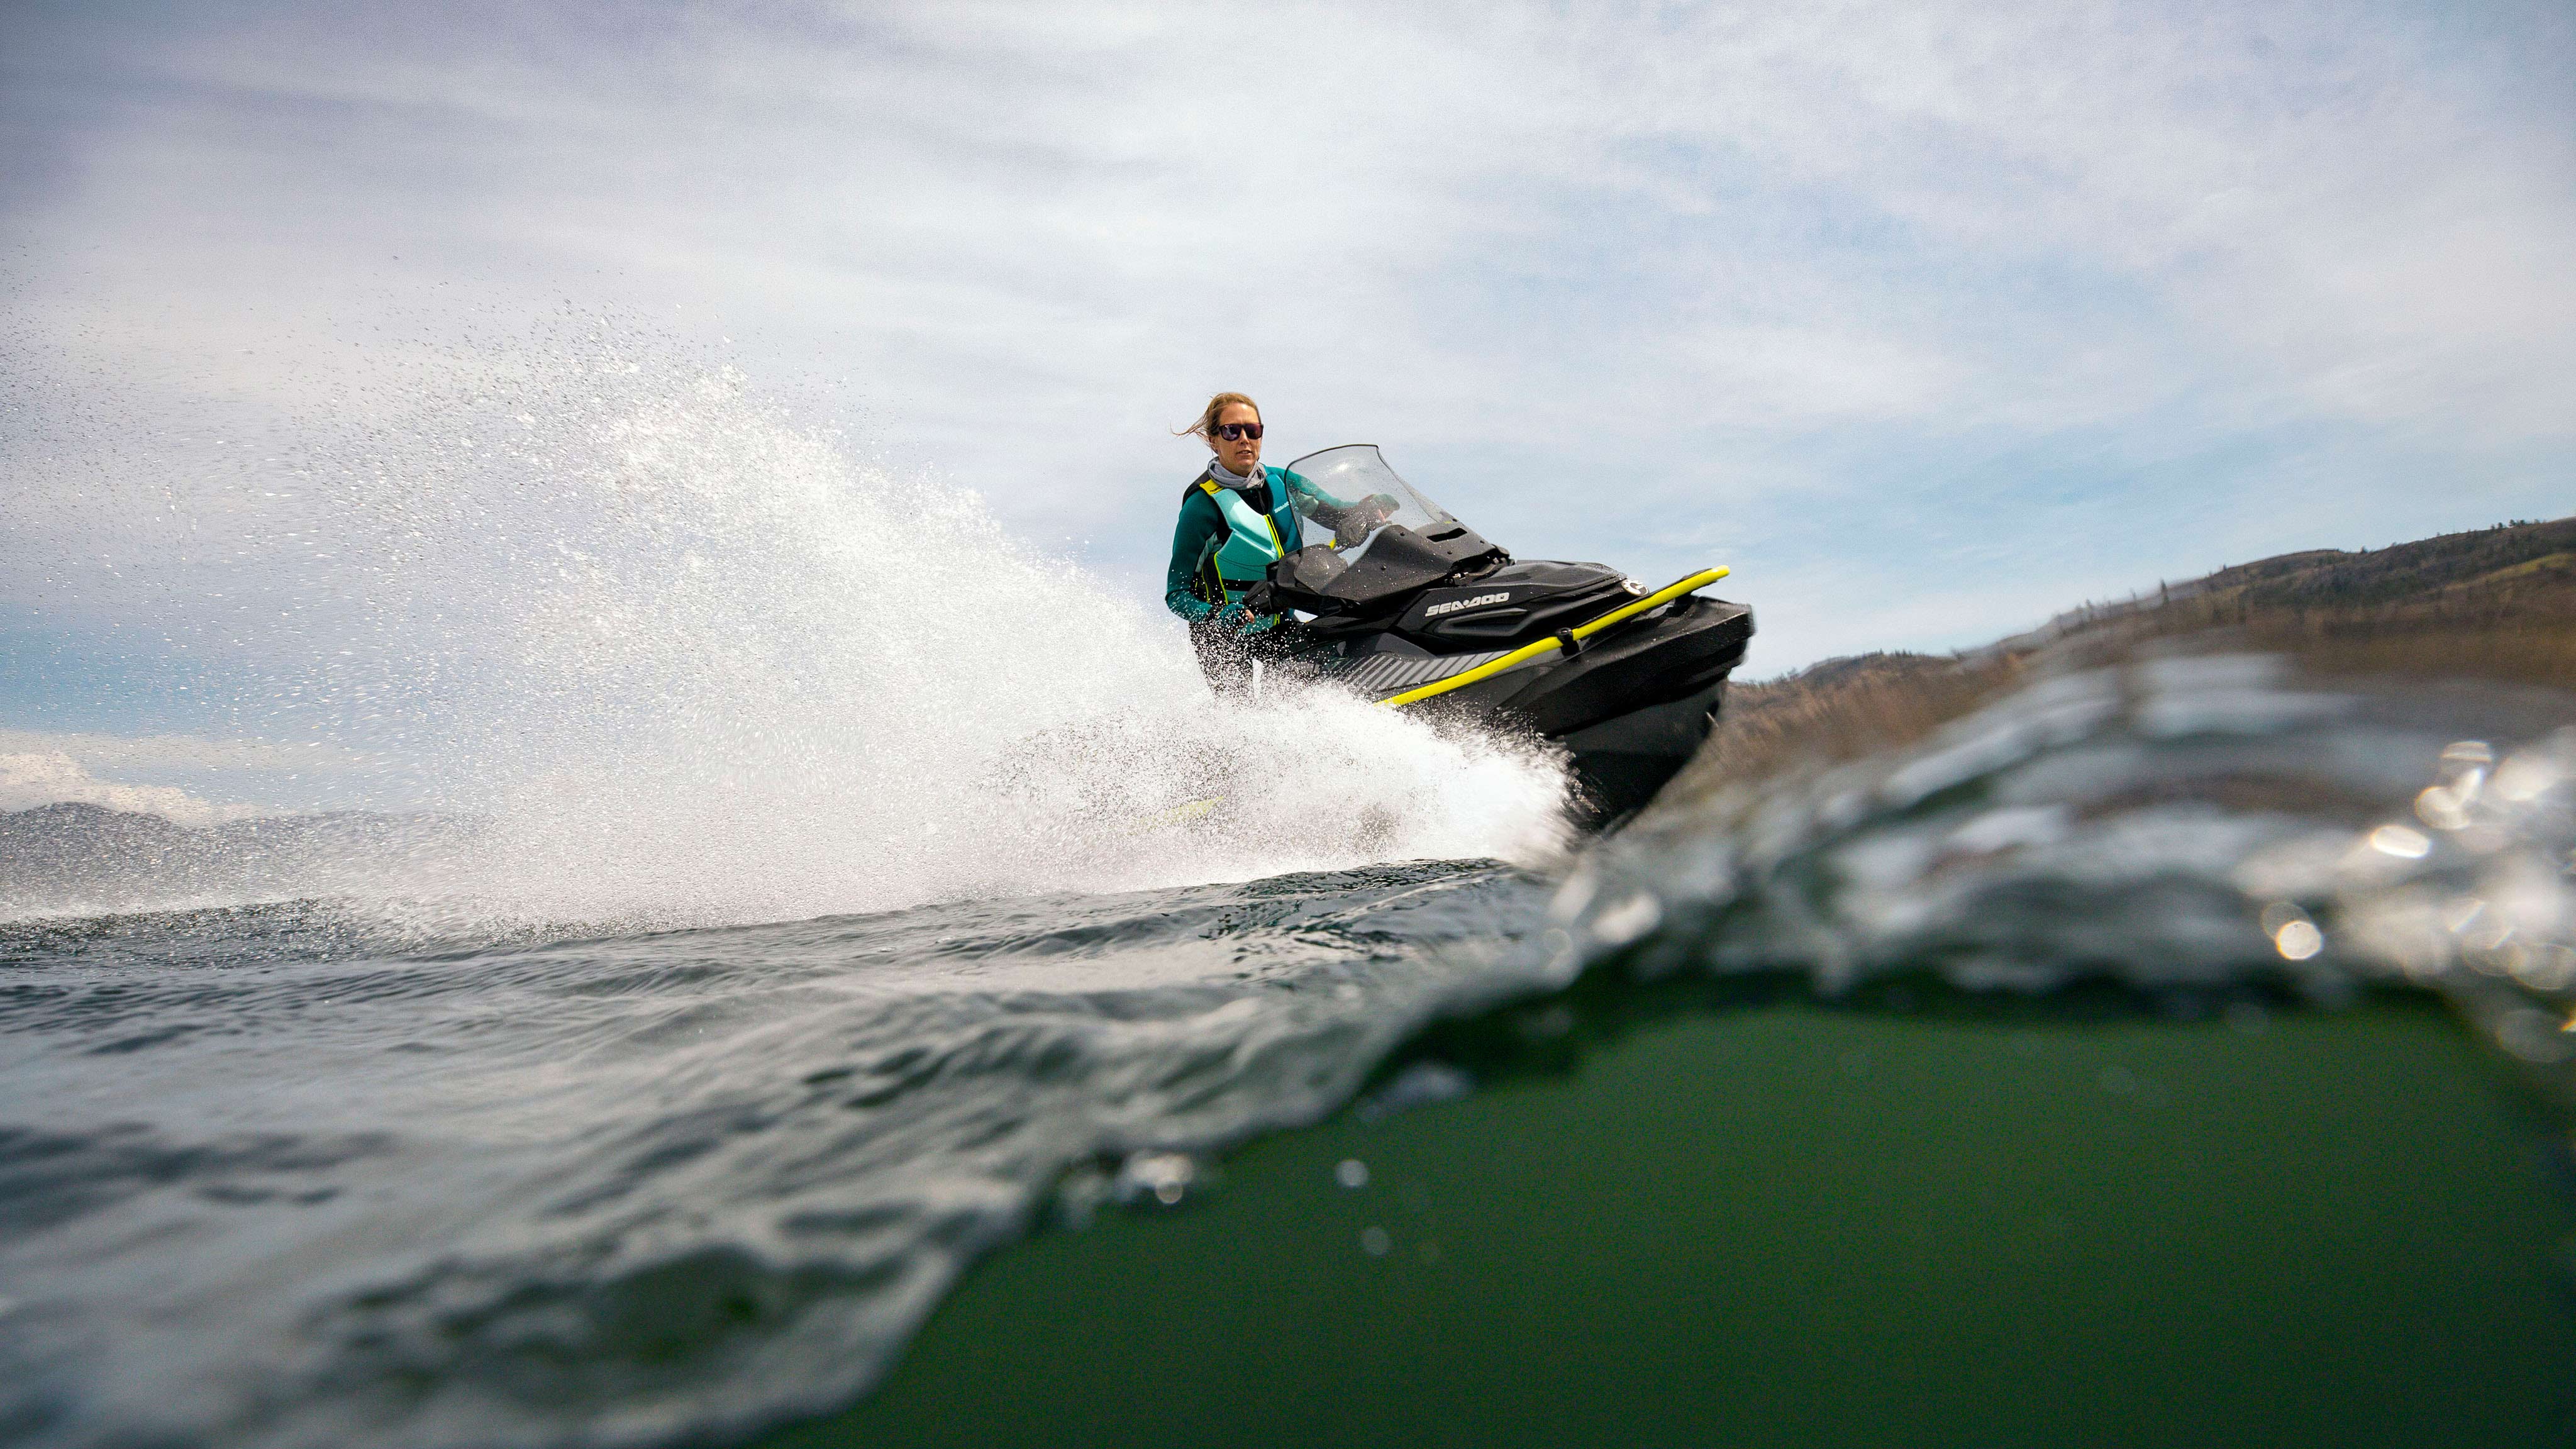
(699, 666)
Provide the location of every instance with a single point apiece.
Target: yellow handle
(1657, 599)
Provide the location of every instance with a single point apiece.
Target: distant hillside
(83, 858)
(2506, 595)
(2499, 603)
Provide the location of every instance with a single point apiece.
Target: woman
(1237, 519)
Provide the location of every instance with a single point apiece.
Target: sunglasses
(1237, 432)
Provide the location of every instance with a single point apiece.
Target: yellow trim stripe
(1527, 652)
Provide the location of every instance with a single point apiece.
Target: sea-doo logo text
(1478, 602)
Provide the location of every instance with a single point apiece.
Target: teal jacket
(1191, 587)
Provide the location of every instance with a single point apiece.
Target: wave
(2180, 825)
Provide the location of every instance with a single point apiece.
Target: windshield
(1354, 473)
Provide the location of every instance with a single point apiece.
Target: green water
(1784, 1225)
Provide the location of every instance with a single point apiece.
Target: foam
(700, 666)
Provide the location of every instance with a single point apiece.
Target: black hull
(1625, 762)
(1631, 707)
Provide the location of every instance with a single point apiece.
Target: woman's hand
(1243, 621)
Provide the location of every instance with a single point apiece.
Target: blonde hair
(1205, 428)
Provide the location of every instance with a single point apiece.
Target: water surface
(2166, 1046)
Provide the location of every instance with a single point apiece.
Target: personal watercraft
(1418, 611)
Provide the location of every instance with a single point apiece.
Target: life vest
(1252, 543)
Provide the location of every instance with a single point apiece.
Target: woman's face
(1239, 455)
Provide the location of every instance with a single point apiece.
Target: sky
(1928, 321)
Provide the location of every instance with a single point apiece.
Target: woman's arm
(1199, 522)
(1315, 498)
(1323, 507)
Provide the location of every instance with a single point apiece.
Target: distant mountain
(2497, 603)
(83, 857)
(2515, 582)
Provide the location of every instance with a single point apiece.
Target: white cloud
(980, 187)
(28, 780)
(1723, 271)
